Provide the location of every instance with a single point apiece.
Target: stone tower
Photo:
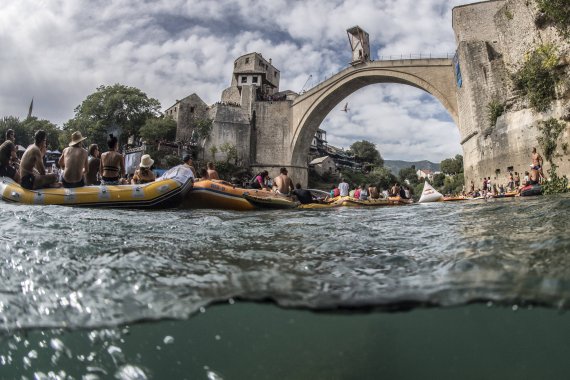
(360, 45)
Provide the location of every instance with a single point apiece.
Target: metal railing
(415, 56)
(395, 57)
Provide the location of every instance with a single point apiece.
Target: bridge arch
(434, 76)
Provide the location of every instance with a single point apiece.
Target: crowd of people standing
(490, 187)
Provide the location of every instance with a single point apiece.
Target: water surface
(88, 269)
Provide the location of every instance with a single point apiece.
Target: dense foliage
(117, 108)
(409, 175)
(452, 165)
(158, 128)
(551, 130)
(557, 12)
(538, 77)
(380, 177)
(365, 151)
(24, 131)
(494, 110)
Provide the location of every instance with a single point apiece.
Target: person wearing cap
(189, 164)
(282, 184)
(74, 162)
(33, 159)
(143, 174)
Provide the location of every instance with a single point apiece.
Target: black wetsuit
(304, 196)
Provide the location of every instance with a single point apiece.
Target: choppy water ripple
(68, 267)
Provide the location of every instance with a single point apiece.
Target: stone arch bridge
(307, 111)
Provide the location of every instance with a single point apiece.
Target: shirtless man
(212, 173)
(74, 162)
(537, 162)
(534, 177)
(282, 184)
(33, 159)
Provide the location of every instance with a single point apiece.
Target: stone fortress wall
(493, 39)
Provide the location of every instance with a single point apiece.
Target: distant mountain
(396, 165)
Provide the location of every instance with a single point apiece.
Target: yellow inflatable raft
(164, 192)
(217, 194)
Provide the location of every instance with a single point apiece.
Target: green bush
(538, 77)
(551, 130)
(494, 110)
(555, 184)
(557, 12)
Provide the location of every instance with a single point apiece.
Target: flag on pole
(31, 107)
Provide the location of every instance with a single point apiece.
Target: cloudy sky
(60, 51)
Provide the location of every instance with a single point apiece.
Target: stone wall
(493, 39)
(272, 132)
(230, 124)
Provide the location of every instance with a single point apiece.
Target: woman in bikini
(112, 164)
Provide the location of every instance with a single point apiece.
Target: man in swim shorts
(74, 162)
(33, 159)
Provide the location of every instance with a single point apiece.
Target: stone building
(254, 79)
(323, 165)
(186, 112)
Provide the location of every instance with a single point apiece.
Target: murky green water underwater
(362, 293)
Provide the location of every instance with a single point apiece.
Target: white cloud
(63, 50)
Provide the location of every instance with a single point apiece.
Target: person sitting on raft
(143, 174)
(92, 177)
(343, 188)
(282, 184)
(260, 181)
(74, 162)
(212, 173)
(373, 192)
(303, 195)
(7, 155)
(33, 159)
(112, 164)
(190, 164)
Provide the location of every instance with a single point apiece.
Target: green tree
(231, 152)
(453, 184)
(23, 135)
(438, 180)
(213, 151)
(83, 126)
(203, 129)
(33, 124)
(382, 177)
(558, 13)
(452, 165)
(158, 128)
(366, 151)
(114, 107)
(409, 174)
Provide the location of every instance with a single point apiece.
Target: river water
(93, 293)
